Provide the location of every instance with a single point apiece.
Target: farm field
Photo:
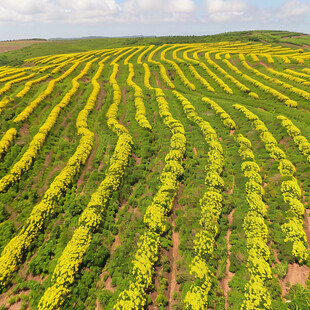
(157, 176)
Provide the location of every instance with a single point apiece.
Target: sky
(25, 19)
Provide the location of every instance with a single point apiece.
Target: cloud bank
(68, 18)
(148, 11)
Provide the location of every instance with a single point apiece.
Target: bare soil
(24, 130)
(156, 78)
(233, 186)
(299, 36)
(229, 275)
(98, 305)
(264, 64)
(137, 159)
(173, 253)
(295, 274)
(307, 226)
(7, 46)
(101, 96)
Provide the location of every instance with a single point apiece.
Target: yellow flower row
(293, 228)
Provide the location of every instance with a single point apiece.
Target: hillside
(51, 47)
(156, 173)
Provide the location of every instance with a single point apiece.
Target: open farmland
(171, 176)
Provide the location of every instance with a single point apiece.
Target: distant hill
(54, 46)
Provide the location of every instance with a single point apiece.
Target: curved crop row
(9, 84)
(162, 70)
(12, 77)
(224, 116)
(256, 293)
(72, 255)
(4, 102)
(300, 74)
(200, 78)
(294, 132)
(50, 87)
(138, 94)
(290, 189)
(182, 76)
(268, 89)
(154, 219)
(36, 144)
(211, 208)
(139, 60)
(7, 140)
(289, 77)
(238, 84)
(218, 80)
(29, 84)
(126, 61)
(147, 76)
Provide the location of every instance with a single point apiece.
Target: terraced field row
(156, 177)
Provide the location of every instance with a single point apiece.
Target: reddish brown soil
(64, 122)
(299, 36)
(173, 253)
(7, 46)
(153, 295)
(156, 78)
(229, 275)
(24, 130)
(36, 278)
(5, 297)
(85, 79)
(158, 83)
(101, 164)
(307, 226)
(108, 283)
(101, 96)
(264, 64)
(295, 274)
(233, 186)
(233, 62)
(15, 306)
(98, 305)
(137, 159)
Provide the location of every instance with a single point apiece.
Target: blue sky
(74, 18)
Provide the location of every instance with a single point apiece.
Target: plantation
(156, 176)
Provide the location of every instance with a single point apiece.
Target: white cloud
(23, 7)
(224, 11)
(168, 6)
(150, 11)
(293, 9)
(58, 10)
(101, 6)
